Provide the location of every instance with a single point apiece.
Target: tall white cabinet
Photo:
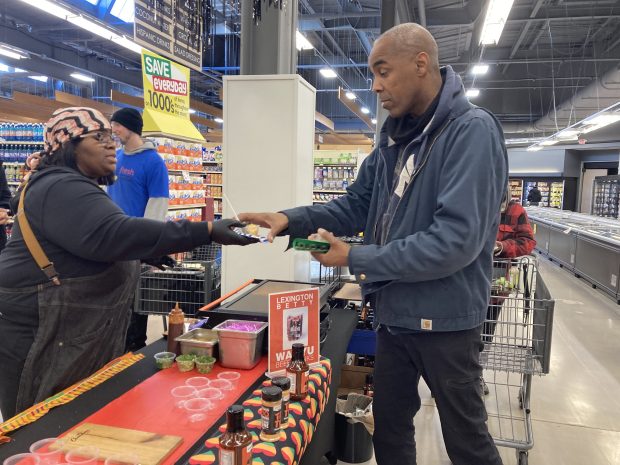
(268, 144)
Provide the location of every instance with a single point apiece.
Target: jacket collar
(452, 103)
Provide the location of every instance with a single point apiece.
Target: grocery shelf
(185, 171)
(20, 143)
(214, 185)
(212, 172)
(321, 191)
(348, 165)
(13, 183)
(321, 201)
(186, 207)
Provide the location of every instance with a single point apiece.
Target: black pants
(448, 362)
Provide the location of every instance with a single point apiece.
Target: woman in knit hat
(70, 270)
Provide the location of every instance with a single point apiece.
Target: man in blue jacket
(140, 189)
(427, 200)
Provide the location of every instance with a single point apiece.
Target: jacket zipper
(413, 176)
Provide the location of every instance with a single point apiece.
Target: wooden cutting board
(151, 448)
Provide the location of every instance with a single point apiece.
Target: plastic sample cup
(123, 459)
(22, 459)
(198, 382)
(221, 384)
(86, 455)
(204, 364)
(212, 394)
(197, 408)
(182, 393)
(185, 363)
(164, 359)
(46, 455)
(231, 376)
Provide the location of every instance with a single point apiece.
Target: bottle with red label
(297, 371)
(236, 442)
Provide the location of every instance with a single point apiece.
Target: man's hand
(338, 254)
(4, 216)
(276, 222)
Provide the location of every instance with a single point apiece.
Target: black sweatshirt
(83, 232)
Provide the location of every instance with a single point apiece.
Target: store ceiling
(561, 54)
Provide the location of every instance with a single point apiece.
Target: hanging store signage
(166, 97)
(293, 318)
(173, 28)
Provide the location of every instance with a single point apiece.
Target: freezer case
(605, 196)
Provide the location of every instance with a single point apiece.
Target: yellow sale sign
(166, 97)
(166, 85)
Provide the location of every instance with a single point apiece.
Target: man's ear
(421, 62)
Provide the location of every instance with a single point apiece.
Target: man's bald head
(411, 39)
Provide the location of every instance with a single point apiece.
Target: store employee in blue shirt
(141, 190)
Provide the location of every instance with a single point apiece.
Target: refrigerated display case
(516, 189)
(587, 245)
(606, 196)
(560, 193)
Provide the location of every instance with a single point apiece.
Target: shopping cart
(517, 346)
(193, 282)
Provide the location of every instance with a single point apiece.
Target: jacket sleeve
(521, 242)
(82, 219)
(345, 215)
(470, 187)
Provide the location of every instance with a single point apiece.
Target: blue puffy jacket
(430, 271)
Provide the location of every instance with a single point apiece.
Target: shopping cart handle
(215, 303)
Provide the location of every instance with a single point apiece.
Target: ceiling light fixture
(480, 69)
(600, 119)
(4, 68)
(84, 23)
(192, 111)
(82, 77)
(365, 110)
(567, 134)
(351, 96)
(11, 53)
(494, 21)
(218, 120)
(328, 73)
(374, 121)
(472, 93)
(39, 78)
(301, 42)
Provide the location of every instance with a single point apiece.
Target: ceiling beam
(526, 28)
(50, 54)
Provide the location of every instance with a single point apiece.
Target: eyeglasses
(100, 136)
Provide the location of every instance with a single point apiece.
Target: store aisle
(576, 408)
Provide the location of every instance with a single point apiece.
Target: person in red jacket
(515, 238)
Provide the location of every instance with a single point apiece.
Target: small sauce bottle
(369, 387)
(236, 442)
(297, 371)
(176, 319)
(271, 413)
(285, 384)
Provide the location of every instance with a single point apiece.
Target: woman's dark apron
(82, 326)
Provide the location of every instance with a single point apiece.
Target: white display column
(267, 149)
